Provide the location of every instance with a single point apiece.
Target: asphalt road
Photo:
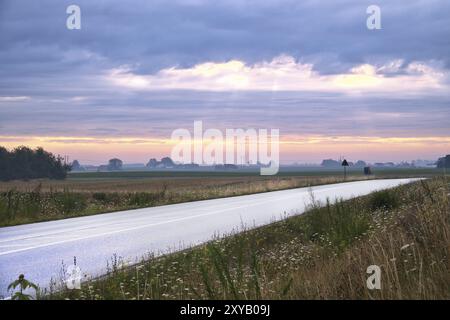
(38, 250)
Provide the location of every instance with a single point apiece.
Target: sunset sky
(137, 70)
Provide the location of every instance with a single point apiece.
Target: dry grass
(322, 254)
(173, 184)
(411, 247)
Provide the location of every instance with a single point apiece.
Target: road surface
(38, 250)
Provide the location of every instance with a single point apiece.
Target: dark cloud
(158, 34)
(156, 114)
(40, 58)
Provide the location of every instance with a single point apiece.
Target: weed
(384, 200)
(23, 285)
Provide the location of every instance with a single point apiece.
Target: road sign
(345, 165)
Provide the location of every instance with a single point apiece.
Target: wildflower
(404, 247)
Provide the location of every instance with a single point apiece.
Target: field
(98, 192)
(322, 254)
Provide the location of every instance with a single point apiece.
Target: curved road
(38, 250)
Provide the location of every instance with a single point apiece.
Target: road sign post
(345, 165)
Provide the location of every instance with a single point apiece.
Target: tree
(444, 162)
(330, 163)
(76, 166)
(115, 164)
(24, 163)
(22, 158)
(360, 163)
(167, 162)
(5, 163)
(152, 163)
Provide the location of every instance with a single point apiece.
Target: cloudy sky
(137, 70)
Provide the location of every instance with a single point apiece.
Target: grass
(145, 181)
(50, 200)
(284, 172)
(322, 254)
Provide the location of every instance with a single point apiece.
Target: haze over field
(137, 70)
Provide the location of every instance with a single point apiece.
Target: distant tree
(226, 166)
(5, 163)
(167, 162)
(115, 164)
(152, 163)
(444, 162)
(24, 163)
(330, 163)
(76, 166)
(360, 163)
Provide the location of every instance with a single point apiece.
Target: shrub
(145, 198)
(106, 198)
(69, 202)
(339, 224)
(385, 200)
(99, 196)
(9, 204)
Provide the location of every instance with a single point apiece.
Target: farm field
(97, 192)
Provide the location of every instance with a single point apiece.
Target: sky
(137, 70)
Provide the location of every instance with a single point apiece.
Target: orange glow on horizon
(95, 150)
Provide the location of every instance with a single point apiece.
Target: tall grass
(21, 207)
(323, 254)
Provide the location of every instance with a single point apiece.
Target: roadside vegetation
(322, 254)
(50, 200)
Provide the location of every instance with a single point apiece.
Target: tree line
(444, 162)
(23, 163)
